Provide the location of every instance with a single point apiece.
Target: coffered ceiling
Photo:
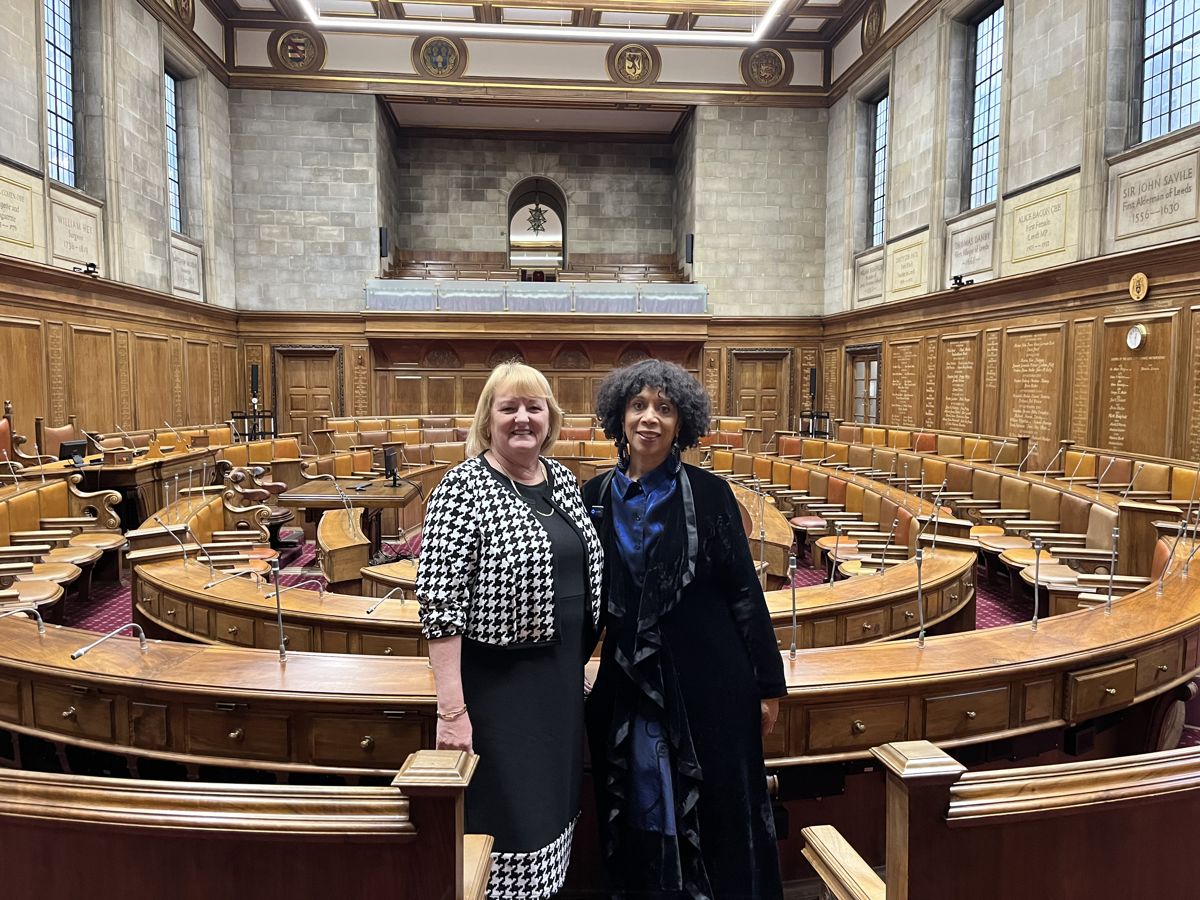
(794, 22)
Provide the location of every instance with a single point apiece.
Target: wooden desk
(373, 496)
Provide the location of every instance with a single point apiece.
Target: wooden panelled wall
(1041, 354)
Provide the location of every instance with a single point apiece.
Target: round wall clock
(1135, 337)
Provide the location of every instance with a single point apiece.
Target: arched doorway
(537, 226)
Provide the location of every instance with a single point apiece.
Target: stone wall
(911, 133)
(21, 97)
(305, 198)
(139, 224)
(391, 213)
(453, 193)
(218, 231)
(760, 209)
(685, 191)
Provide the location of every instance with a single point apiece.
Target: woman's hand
(455, 734)
(770, 715)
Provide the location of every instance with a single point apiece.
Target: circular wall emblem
(1139, 286)
(872, 24)
(297, 50)
(633, 64)
(440, 57)
(766, 67)
(186, 10)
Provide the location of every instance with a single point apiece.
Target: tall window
(1170, 66)
(170, 93)
(60, 92)
(879, 127)
(864, 386)
(985, 108)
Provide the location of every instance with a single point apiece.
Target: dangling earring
(675, 451)
(622, 451)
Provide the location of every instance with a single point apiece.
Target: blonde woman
(509, 586)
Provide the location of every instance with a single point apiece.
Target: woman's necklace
(532, 504)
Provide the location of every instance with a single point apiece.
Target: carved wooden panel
(808, 366)
(360, 380)
(214, 382)
(571, 391)
(960, 382)
(902, 391)
(830, 370)
(1083, 382)
(231, 388)
(1135, 393)
(56, 371)
(176, 381)
(93, 381)
(21, 339)
(1033, 386)
(930, 400)
(989, 403)
(151, 371)
(198, 406)
(711, 377)
(124, 380)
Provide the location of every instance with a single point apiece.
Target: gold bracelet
(452, 714)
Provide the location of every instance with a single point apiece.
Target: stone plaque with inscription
(908, 267)
(1039, 227)
(185, 270)
(971, 249)
(903, 391)
(960, 368)
(73, 234)
(870, 280)
(1034, 374)
(1158, 196)
(16, 213)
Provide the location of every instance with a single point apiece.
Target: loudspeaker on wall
(812, 381)
(254, 379)
(689, 248)
(383, 243)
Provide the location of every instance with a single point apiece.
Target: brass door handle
(69, 712)
(367, 742)
(859, 726)
(237, 734)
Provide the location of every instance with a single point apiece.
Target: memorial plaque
(907, 267)
(1158, 196)
(1034, 360)
(870, 280)
(712, 376)
(1133, 400)
(1039, 227)
(971, 249)
(16, 213)
(73, 234)
(931, 371)
(1081, 381)
(960, 378)
(903, 391)
(1193, 448)
(829, 382)
(185, 270)
(990, 403)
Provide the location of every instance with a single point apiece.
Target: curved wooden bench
(342, 549)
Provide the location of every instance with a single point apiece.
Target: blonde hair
(519, 380)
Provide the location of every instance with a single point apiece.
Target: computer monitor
(72, 449)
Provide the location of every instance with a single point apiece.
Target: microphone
(38, 454)
(1128, 487)
(1170, 559)
(30, 611)
(1078, 463)
(233, 573)
(1046, 471)
(233, 428)
(279, 612)
(396, 590)
(133, 447)
(821, 462)
(1192, 502)
(837, 542)
(1032, 449)
(141, 636)
(177, 434)
(299, 584)
(996, 461)
(792, 582)
(175, 538)
(920, 557)
(887, 546)
(208, 556)
(1100, 481)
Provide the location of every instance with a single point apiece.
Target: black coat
(699, 659)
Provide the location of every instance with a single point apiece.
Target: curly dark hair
(621, 385)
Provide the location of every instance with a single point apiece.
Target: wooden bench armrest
(974, 504)
(12, 569)
(74, 523)
(950, 495)
(21, 551)
(839, 865)
(1069, 552)
(47, 536)
(237, 534)
(827, 507)
(1128, 582)
(164, 551)
(1025, 524)
(969, 544)
(996, 513)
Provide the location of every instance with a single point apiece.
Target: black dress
(693, 650)
(525, 791)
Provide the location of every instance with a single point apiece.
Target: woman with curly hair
(690, 673)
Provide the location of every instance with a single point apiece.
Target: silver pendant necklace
(532, 504)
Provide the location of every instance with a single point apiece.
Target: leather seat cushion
(807, 522)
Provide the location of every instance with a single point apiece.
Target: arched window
(537, 225)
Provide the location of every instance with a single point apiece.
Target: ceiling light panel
(802, 23)
(523, 15)
(615, 19)
(255, 5)
(725, 23)
(439, 11)
(348, 8)
(462, 23)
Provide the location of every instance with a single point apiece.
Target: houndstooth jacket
(486, 570)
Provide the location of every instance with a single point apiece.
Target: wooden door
(761, 389)
(307, 386)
